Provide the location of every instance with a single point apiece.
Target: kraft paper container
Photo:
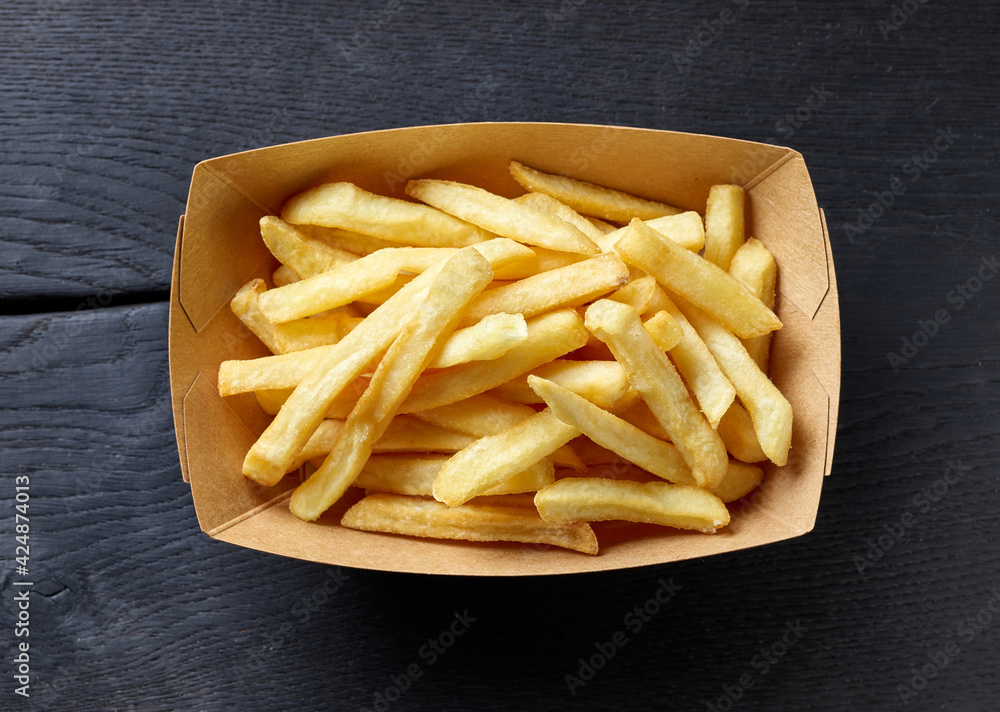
(219, 249)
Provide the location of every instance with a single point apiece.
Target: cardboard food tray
(219, 249)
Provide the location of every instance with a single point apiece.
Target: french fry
(664, 329)
(600, 382)
(651, 373)
(607, 430)
(741, 479)
(769, 409)
(461, 278)
(414, 475)
(246, 306)
(723, 224)
(638, 293)
(284, 275)
(414, 516)
(484, 414)
(501, 215)
(345, 205)
(696, 279)
(686, 229)
(495, 458)
(588, 198)
(320, 330)
(271, 401)
(754, 268)
(736, 430)
(557, 209)
(568, 286)
(550, 336)
(304, 255)
(346, 240)
(594, 499)
(491, 337)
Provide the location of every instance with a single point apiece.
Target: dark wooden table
(893, 602)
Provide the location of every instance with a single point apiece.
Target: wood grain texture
(107, 107)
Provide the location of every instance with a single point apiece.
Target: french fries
(449, 372)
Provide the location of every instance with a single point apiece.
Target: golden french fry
(741, 479)
(754, 268)
(686, 229)
(346, 240)
(284, 275)
(484, 414)
(736, 430)
(600, 382)
(557, 209)
(664, 329)
(594, 499)
(246, 306)
(696, 279)
(638, 293)
(414, 516)
(492, 337)
(607, 430)
(723, 224)
(345, 205)
(712, 390)
(271, 401)
(588, 198)
(461, 278)
(320, 330)
(304, 255)
(769, 409)
(651, 373)
(550, 336)
(501, 215)
(414, 475)
(568, 286)
(492, 459)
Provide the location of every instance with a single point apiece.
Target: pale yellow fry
(736, 430)
(588, 198)
(492, 337)
(639, 415)
(484, 414)
(541, 261)
(268, 373)
(495, 458)
(594, 499)
(607, 430)
(638, 293)
(601, 225)
(304, 255)
(769, 409)
(651, 373)
(284, 275)
(741, 479)
(347, 206)
(501, 215)
(414, 475)
(753, 266)
(664, 329)
(724, 232)
(245, 305)
(269, 458)
(695, 362)
(568, 286)
(404, 434)
(346, 240)
(320, 330)
(550, 336)
(461, 278)
(555, 208)
(697, 280)
(600, 382)
(271, 401)
(686, 229)
(397, 514)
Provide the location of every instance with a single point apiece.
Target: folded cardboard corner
(219, 249)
